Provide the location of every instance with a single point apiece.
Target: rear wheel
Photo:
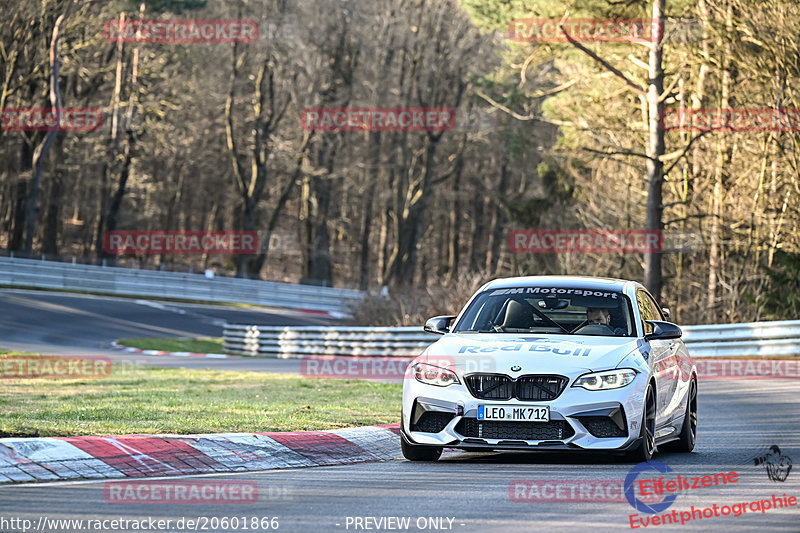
(416, 452)
(688, 436)
(647, 435)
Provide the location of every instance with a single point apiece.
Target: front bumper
(579, 419)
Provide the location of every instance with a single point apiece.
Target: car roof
(584, 282)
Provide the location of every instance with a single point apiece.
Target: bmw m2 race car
(553, 363)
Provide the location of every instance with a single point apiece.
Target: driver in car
(601, 316)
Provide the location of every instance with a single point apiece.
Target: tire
(647, 434)
(685, 443)
(416, 452)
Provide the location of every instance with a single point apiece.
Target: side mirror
(666, 312)
(439, 324)
(663, 330)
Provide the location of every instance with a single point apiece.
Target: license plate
(509, 413)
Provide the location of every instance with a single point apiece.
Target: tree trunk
(52, 219)
(115, 206)
(318, 268)
(404, 257)
(495, 228)
(720, 172)
(366, 229)
(454, 219)
(655, 150)
(17, 232)
(40, 153)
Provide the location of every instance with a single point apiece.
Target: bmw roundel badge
(516, 368)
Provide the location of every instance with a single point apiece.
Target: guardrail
(131, 282)
(751, 339)
(725, 340)
(301, 341)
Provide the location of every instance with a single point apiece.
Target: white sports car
(553, 363)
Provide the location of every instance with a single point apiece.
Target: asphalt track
(75, 324)
(739, 420)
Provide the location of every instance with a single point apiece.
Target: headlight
(434, 375)
(608, 379)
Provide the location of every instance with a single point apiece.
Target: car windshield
(565, 311)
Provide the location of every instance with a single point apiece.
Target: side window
(645, 310)
(656, 308)
(648, 309)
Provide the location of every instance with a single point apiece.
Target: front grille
(602, 427)
(490, 386)
(536, 388)
(432, 421)
(482, 429)
(540, 388)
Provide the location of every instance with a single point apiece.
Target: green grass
(139, 399)
(201, 345)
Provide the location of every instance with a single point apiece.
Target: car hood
(496, 352)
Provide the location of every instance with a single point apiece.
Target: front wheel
(685, 443)
(647, 435)
(416, 452)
